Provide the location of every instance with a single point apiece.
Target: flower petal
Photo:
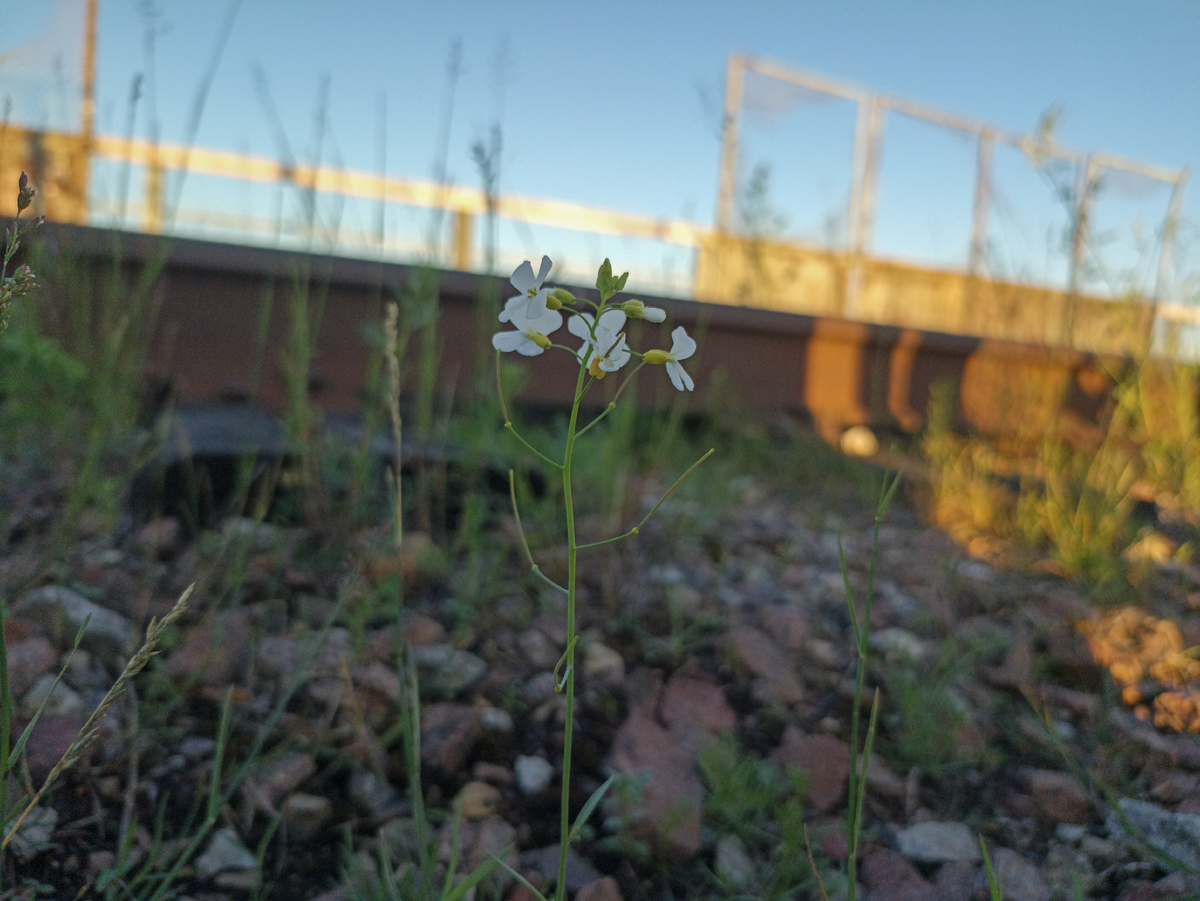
(682, 346)
(617, 357)
(543, 270)
(512, 305)
(509, 341)
(654, 314)
(613, 319)
(679, 377)
(522, 277)
(580, 326)
(543, 320)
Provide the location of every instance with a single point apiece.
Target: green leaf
(473, 880)
(590, 806)
(993, 878)
(19, 748)
(521, 879)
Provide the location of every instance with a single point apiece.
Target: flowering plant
(534, 314)
(21, 282)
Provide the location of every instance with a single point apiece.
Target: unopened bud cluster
(21, 282)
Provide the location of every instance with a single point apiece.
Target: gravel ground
(715, 643)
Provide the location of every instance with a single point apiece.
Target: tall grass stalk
(861, 626)
(89, 731)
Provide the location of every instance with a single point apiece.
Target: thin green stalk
(508, 422)
(862, 628)
(537, 453)
(5, 718)
(533, 567)
(560, 889)
(654, 509)
(612, 404)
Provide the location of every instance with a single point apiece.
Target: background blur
(618, 108)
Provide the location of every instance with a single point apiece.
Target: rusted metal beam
(752, 363)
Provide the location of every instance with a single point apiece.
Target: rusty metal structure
(834, 335)
(850, 283)
(728, 267)
(224, 314)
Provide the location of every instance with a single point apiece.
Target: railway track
(223, 315)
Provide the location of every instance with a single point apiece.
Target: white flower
(533, 295)
(531, 327)
(682, 347)
(607, 343)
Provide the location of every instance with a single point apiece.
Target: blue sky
(617, 104)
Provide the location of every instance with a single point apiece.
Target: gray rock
(60, 612)
(225, 852)
(196, 747)
(603, 889)
(1097, 848)
(478, 842)
(257, 537)
(373, 794)
(545, 862)
(538, 688)
(603, 663)
(899, 644)
(938, 843)
(1019, 879)
(666, 574)
(35, 834)
(1070, 833)
(533, 774)
(496, 719)
(160, 538)
(977, 571)
(444, 672)
(733, 862)
(1064, 868)
(29, 659)
(537, 649)
(1178, 834)
(60, 698)
(401, 837)
(306, 815)
(279, 656)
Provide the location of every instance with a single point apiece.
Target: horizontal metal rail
(225, 317)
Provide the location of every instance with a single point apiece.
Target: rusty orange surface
(214, 300)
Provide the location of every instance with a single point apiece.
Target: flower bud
(562, 295)
(553, 303)
(656, 357)
(594, 369)
(635, 309)
(25, 192)
(540, 340)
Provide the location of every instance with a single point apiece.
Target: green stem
(612, 403)
(508, 425)
(560, 889)
(862, 628)
(5, 723)
(533, 567)
(646, 518)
